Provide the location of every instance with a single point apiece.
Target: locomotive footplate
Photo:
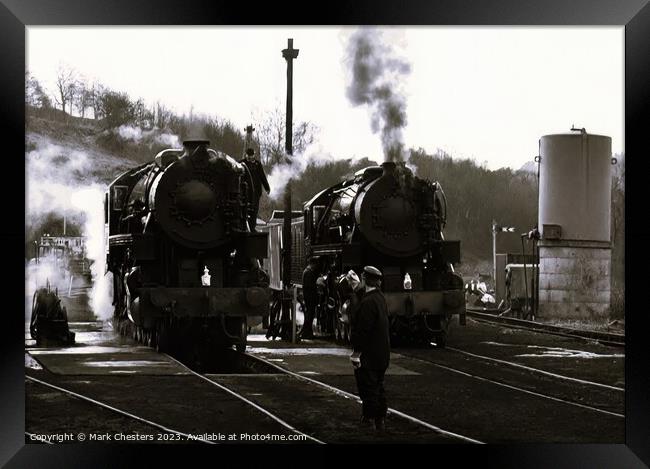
(204, 302)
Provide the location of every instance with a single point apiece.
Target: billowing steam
(90, 201)
(296, 165)
(70, 183)
(153, 136)
(374, 81)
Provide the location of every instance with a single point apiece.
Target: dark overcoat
(370, 333)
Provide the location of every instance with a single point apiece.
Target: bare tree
(82, 97)
(65, 86)
(34, 93)
(162, 116)
(97, 90)
(271, 135)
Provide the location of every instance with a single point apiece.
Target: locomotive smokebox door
(386, 215)
(192, 198)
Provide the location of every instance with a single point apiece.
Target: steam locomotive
(387, 217)
(186, 275)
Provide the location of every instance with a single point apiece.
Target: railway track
(246, 400)
(347, 395)
(606, 338)
(542, 395)
(113, 409)
(538, 371)
(292, 403)
(260, 364)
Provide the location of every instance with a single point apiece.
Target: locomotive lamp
(205, 278)
(407, 282)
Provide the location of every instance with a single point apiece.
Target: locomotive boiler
(184, 261)
(387, 217)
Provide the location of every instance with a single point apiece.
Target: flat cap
(372, 271)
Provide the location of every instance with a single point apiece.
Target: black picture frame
(15, 15)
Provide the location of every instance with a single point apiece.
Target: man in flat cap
(371, 349)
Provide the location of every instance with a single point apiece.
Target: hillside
(68, 155)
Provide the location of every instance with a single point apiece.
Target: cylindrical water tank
(575, 185)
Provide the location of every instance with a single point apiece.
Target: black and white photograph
(325, 235)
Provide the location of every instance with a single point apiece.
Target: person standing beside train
(370, 338)
(310, 297)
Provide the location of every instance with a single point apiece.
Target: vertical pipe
(289, 55)
(293, 316)
(494, 253)
(536, 253)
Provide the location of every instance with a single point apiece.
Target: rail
(605, 338)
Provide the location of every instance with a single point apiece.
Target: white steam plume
(293, 168)
(68, 182)
(149, 137)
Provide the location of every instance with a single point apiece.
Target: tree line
(475, 194)
(75, 96)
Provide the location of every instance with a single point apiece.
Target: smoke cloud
(375, 82)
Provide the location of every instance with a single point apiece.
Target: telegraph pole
(289, 55)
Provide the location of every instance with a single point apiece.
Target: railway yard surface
(491, 384)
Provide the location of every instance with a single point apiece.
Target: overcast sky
(486, 93)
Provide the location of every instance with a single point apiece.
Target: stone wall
(574, 280)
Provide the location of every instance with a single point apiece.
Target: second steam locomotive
(387, 217)
(184, 261)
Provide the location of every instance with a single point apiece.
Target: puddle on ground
(556, 352)
(95, 337)
(302, 351)
(91, 349)
(570, 354)
(125, 363)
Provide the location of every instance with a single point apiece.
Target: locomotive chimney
(190, 146)
(389, 167)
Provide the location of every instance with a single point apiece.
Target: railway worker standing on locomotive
(371, 349)
(310, 297)
(258, 177)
